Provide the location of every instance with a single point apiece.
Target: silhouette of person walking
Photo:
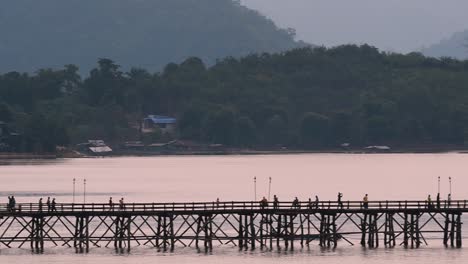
(40, 205)
(295, 203)
(53, 206)
(316, 202)
(9, 204)
(365, 201)
(13, 203)
(48, 204)
(121, 204)
(111, 204)
(340, 203)
(438, 200)
(275, 202)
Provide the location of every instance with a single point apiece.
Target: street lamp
(74, 182)
(255, 188)
(269, 189)
(84, 191)
(438, 184)
(450, 186)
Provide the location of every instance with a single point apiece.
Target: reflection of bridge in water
(246, 225)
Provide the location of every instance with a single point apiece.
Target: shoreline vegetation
(227, 152)
(311, 99)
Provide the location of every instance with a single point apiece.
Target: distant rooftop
(160, 119)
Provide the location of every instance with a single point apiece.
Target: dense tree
(303, 98)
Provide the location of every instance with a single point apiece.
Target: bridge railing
(231, 205)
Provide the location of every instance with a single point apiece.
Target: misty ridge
(140, 33)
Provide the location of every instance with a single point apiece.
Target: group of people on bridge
(310, 204)
(51, 205)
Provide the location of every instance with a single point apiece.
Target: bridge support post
(453, 230)
(81, 236)
(328, 233)
(389, 233)
(122, 234)
(241, 233)
(37, 234)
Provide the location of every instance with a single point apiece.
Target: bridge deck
(244, 224)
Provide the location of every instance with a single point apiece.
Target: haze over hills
(456, 46)
(396, 25)
(140, 33)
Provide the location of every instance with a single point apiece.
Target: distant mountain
(456, 46)
(142, 33)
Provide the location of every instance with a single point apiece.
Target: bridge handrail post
(406, 204)
(380, 205)
(348, 204)
(386, 204)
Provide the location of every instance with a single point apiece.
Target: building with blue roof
(166, 124)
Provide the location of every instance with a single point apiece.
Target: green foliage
(315, 129)
(5, 113)
(303, 98)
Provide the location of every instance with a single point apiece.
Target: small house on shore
(164, 123)
(95, 147)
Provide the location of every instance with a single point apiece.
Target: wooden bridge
(246, 225)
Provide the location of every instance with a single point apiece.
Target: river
(206, 178)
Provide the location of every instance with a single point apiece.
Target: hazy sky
(398, 25)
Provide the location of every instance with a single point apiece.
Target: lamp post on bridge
(438, 184)
(84, 191)
(269, 189)
(450, 186)
(74, 183)
(255, 188)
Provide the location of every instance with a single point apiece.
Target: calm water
(160, 179)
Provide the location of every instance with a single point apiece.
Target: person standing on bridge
(275, 202)
(429, 202)
(316, 202)
(48, 204)
(121, 204)
(111, 204)
(449, 200)
(53, 206)
(9, 204)
(295, 204)
(438, 201)
(340, 203)
(263, 203)
(40, 204)
(365, 201)
(13, 203)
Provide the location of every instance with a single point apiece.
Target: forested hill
(456, 47)
(145, 33)
(304, 98)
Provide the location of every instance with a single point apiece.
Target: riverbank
(134, 153)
